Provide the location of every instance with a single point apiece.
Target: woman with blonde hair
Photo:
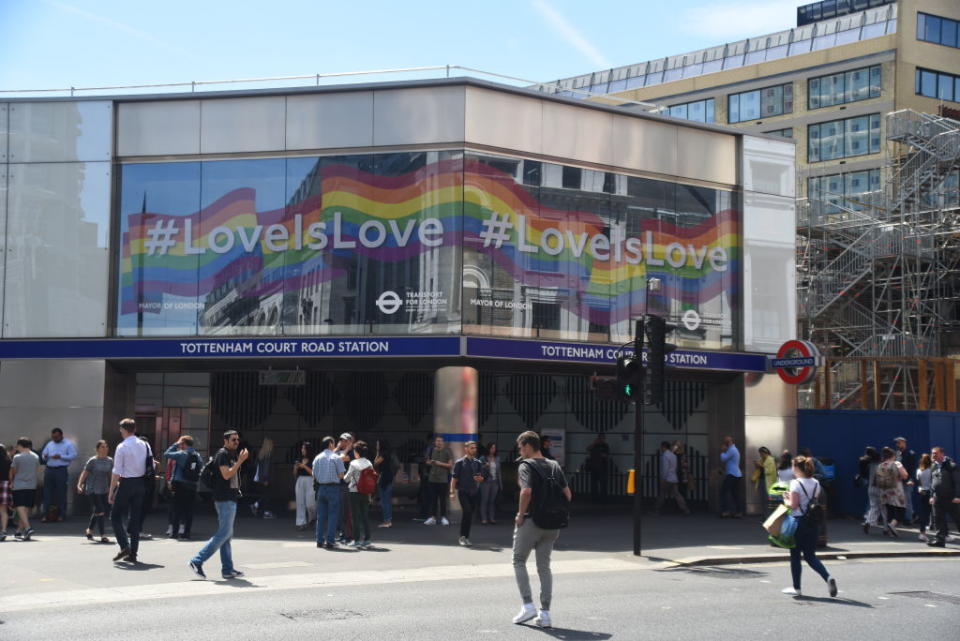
(805, 493)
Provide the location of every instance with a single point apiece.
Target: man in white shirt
(127, 489)
(56, 455)
(668, 479)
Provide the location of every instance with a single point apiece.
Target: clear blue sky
(83, 43)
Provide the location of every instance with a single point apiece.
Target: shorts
(24, 498)
(5, 497)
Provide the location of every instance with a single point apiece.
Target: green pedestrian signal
(629, 378)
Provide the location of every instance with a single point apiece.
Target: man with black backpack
(543, 511)
(186, 474)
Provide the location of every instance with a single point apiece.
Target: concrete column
(770, 418)
(455, 410)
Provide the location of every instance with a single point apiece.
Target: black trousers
(184, 495)
(128, 502)
(438, 500)
(941, 509)
(469, 503)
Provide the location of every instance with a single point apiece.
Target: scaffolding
(878, 273)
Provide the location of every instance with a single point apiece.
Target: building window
(760, 103)
(843, 138)
(846, 189)
(840, 88)
(939, 31)
(939, 85)
(697, 111)
(782, 133)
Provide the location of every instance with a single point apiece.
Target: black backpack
(814, 513)
(192, 468)
(549, 508)
(208, 475)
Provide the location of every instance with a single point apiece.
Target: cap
(346, 436)
(899, 438)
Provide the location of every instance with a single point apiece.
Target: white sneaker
(923, 537)
(465, 542)
(791, 591)
(444, 521)
(430, 521)
(169, 531)
(543, 619)
(527, 612)
(183, 528)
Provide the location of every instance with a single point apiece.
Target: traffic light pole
(638, 445)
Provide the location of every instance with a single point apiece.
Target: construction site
(878, 276)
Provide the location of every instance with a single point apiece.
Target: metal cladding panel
(769, 166)
(504, 120)
(645, 145)
(418, 116)
(158, 128)
(242, 124)
(3, 233)
(706, 155)
(768, 395)
(573, 132)
(60, 131)
(4, 108)
(330, 120)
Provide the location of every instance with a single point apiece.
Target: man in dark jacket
(908, 459)
(944, 484)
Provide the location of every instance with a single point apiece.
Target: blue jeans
(806, 544)
(386, 496)
(328, 509)
(55, 489)
(226, 514)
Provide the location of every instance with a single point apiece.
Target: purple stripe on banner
(454, 437)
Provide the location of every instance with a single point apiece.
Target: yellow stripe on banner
(377, 209)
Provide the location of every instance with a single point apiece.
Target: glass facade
(760, 103)
(844, 87)
(937, 84)
(836, 188)
(940, 31)
(698, 110)
(782, 133)
(843, 138)
(427, 242)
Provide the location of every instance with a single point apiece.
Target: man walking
(468, 474)
(945, 499)
(186, 473)
(127, 489)
(440, 462)
(56, 455)
(226, 493)
(730, 490)
(908, 459)
(668, 479)
(328, 471)
(23, 486)
(532, 474)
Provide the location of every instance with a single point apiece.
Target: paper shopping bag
(775, 520)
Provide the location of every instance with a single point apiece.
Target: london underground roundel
(797, 361)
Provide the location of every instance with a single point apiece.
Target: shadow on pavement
(573, 635)
(137, 567)
(809, 600)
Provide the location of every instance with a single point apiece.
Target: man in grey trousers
(527, 537)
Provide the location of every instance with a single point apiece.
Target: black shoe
(197, 569)
(132, 558)
(329, 546)
(936, 544)
(320, 544)
(27, 534)
(232, 574)
(122, 554)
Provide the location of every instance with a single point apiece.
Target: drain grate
(926, 595)
(319, 615)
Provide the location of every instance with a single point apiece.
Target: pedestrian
(945, 486)
(226, 493)
(491, 486)
(345, 452)
(150, 490)
(668, 479)
(876, 515)
(466, 479)
(889, 479)
(186, 475)
(805, 489)
(23, 485)
(764, 474)
(328, 472)
(908, 459)
(359, 498)
(532, 473)
(131, 462)
(545, 444)
(386, 464)
(303, 486)
(440, 462)
(924, 478)
(6, 497)
(423, 471)
(785, 467)
(598, 461)
(730, 490)
(56, 455)
(683, 468)
(260, 481)
(94, 481)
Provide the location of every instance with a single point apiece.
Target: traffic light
(657, 349)
(629, 378)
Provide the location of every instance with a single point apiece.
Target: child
(23, 476)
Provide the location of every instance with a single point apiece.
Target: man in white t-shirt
(668, 479)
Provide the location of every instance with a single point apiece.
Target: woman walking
(386, 466)
(804, 489)
(924, 477)
(303, 487)
(889, 479)
(491, 485)
(94, 481)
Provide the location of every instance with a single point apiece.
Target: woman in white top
(924, 477)
(491, 486)
(803, 490)
(785, 467)
(359, 502)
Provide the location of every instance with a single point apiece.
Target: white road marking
(277, 565)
